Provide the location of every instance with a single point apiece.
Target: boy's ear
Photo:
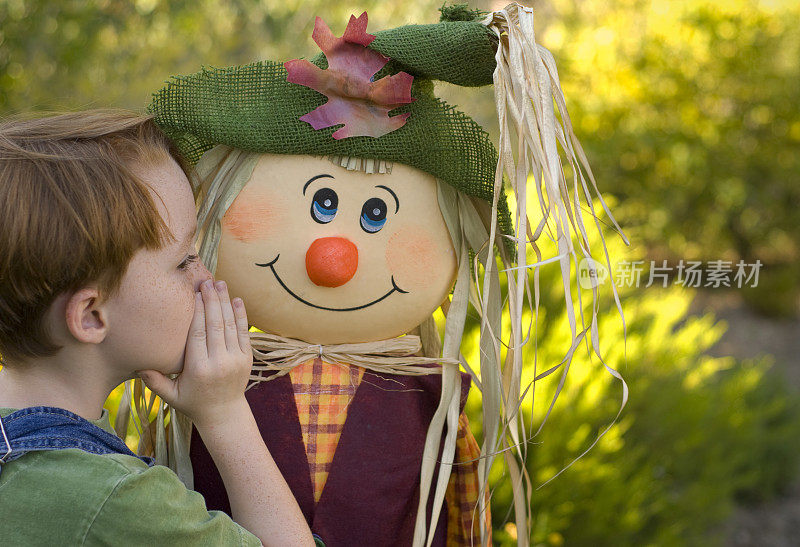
(86, 316)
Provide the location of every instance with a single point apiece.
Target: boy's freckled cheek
(187, 302)
(175, 324)
(412, 255)
(250, 218)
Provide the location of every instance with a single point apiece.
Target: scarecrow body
(326, 254)
(371, 483)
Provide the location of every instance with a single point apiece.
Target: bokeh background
(689, 111)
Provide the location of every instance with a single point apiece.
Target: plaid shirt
(323, 394)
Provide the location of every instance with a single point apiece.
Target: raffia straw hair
(526, 88)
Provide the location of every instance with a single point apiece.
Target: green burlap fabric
(254, 108)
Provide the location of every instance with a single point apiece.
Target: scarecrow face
(327, 255)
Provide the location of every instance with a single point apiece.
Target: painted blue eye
(324, 205)
(373, 215)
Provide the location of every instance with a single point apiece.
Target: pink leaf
(353, 98)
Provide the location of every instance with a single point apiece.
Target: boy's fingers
(242, 328)
(159, 384)
(228, 319)
(215, 328)
(196, 341)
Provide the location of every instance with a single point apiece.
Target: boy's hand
(217, 360)
(210, 390)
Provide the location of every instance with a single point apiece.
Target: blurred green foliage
(690, 114)
(89, 53)
(690, 111)
(698, 435)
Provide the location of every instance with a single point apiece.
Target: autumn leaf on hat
(354, 99)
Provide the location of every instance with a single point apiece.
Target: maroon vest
(372, 490)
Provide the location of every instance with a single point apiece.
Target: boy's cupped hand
(217, 361)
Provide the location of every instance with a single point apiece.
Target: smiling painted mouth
(271, 266)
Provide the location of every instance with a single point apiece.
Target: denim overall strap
(49, 428)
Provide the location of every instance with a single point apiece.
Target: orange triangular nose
(331, 261)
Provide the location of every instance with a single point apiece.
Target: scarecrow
(346, 204)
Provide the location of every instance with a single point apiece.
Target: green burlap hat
(254, 108)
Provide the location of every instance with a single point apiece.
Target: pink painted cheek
(249, 218)
(413, 257)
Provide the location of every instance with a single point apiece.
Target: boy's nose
(201, 274)
(331, 261)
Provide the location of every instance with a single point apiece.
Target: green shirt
(72, 497)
